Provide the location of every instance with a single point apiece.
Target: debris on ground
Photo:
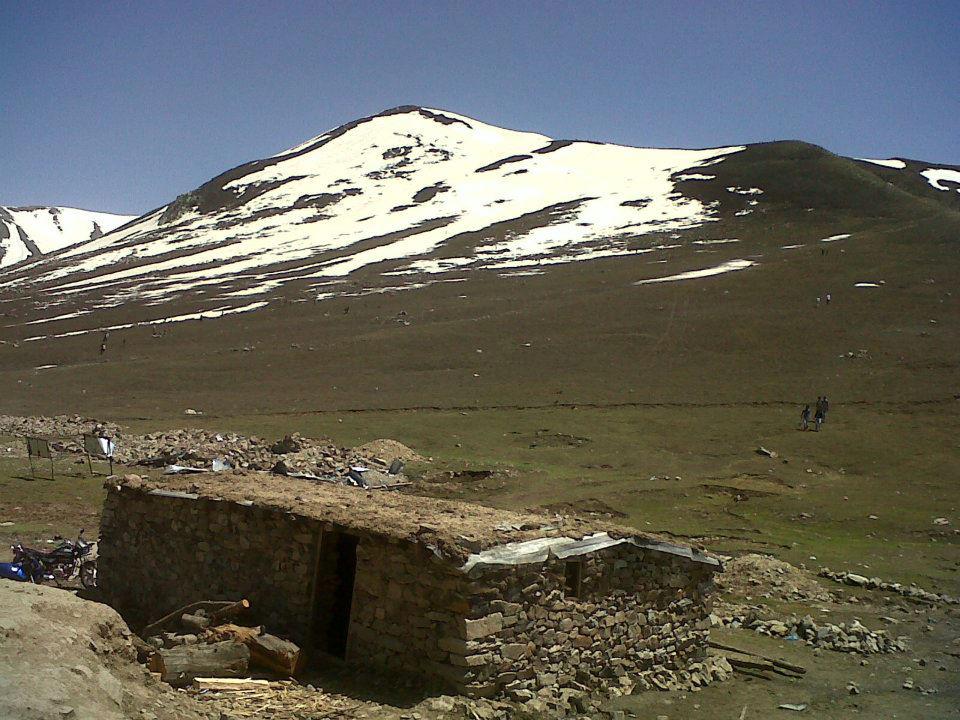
(280, 699)
(377, 465)
(764, 576)
(910, 591)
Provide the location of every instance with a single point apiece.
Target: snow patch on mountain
(726, 267)
(31, 232)
(891, 163)
(937, 176)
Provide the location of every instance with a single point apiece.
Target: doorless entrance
(336, 571)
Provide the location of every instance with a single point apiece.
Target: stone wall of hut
(159, 553)
(408, 611)
(551, 631)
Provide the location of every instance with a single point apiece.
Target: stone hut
(476, 600)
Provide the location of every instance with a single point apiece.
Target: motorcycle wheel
(88, 575)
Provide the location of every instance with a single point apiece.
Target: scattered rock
(844, 637)
(910, 591)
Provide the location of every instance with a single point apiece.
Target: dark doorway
(337, 568)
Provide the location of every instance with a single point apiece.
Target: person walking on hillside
(818, 414)
(826, 406)
(805, 417)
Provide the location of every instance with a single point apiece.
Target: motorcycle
(65, 563)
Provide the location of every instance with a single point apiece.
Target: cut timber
(229, 611)
(212, 607)
(204, 683)
(180, 665)
(273, 653)
(799, 669)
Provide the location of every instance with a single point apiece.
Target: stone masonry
(546, 631)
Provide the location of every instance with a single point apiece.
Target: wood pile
(202, 644)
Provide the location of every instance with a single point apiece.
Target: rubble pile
(68, 429)
(713, 668)
(910, 591)
(766, 577)
(372, 465)
(291, 454)
(846, 637)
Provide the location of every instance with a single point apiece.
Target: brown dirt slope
(63, 657)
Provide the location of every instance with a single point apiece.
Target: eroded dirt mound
(764, 576)
(63, 657)
(388, 450)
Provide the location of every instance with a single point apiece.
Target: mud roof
(467, 534)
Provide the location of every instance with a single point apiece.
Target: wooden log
(228, 611)
(180, 665)
(211, 606)
(194, 623)
(275, 654)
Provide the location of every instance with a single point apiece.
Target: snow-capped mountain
(415, 196)
(31, 232)
(411, 190)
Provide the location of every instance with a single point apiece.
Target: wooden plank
(799, 669)
(230, 684)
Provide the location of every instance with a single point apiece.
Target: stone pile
(910, 591)
(845, 637)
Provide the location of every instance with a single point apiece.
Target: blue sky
(122, 106)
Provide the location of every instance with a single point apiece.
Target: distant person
(828, 298)
(818, 415)
(818, 301)
(826, 406)
(805, 417)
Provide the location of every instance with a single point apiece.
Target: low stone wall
(636, 610)
(159, 553)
